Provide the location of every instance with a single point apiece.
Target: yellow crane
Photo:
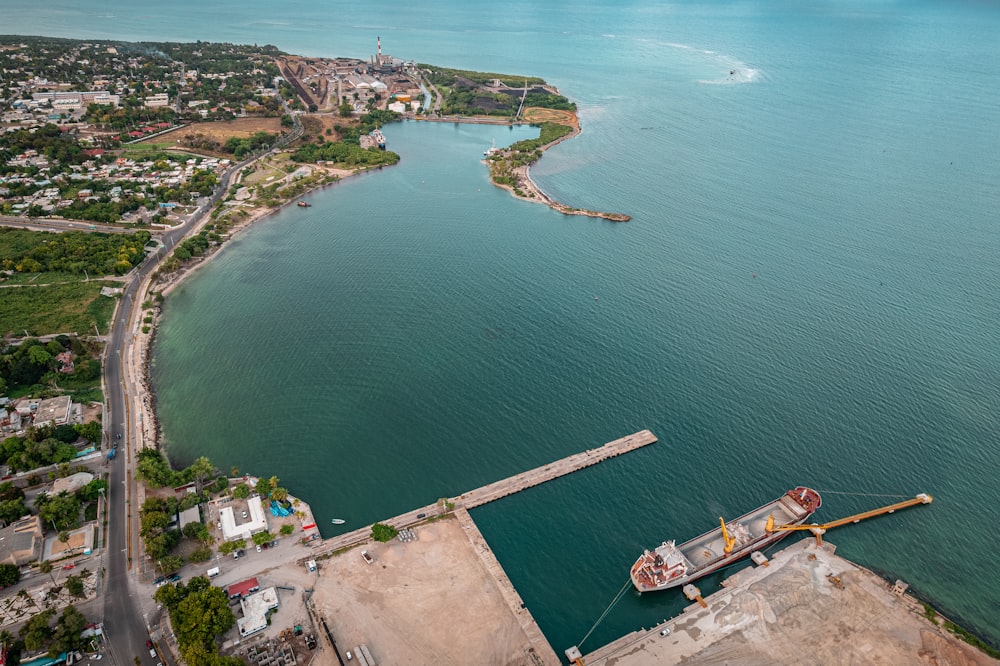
(819, 530)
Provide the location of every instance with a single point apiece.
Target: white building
(57, 411)
(255, 608)
(257, 521)
(160, 99)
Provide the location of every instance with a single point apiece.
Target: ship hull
(670, 566)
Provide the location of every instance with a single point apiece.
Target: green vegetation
(382, 532)
(155, 517)
(58, 308)
(443, 76)
(260, 538)
(522, 153)
(74, 585)
(241, 491)
(930, 613)
(345, 154)
(971, 639)
(199, 613)
(55, 299)
(46, 445)
(466, 93)
(286, 529)
(241, 147)
(62, 512)
(74, 252)
(9, 575)
(38, 633)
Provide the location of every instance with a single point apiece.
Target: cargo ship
(670, 565)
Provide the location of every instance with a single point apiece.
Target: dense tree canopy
(199, 613)
(74, 252)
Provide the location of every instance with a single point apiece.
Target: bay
(417, 332)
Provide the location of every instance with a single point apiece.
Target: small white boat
(338, 521)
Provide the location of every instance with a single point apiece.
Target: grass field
(60, 308)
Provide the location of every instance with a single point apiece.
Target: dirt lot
(208, 137)
(428, 601)
(534, 114)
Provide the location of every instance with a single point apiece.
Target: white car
(259, 548)
(244, 514)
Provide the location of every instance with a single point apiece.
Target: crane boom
(818, 530)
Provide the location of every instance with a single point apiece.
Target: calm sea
(808, 291)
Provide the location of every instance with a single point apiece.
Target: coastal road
(126, 625)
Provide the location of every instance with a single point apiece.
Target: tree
(263, 537)
(201, 469)
(200, 554)
(170, 563)
(46, 567)
(8, 491)
(91, 431)
(346, 110)
(9, 575)
(195, 531)
(279, 494)
(61, 511)
(68, 629)
(37, 632)
(11, 510)
(286, 529)
(205, 614)
(241, 491)
(263, 488)
(382, 532)
(74, 584)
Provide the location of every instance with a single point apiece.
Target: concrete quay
(542, 651)
(806, 606)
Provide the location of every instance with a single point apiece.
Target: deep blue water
(417, 332)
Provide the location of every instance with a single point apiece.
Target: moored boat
(303, 204)
(670, 565)
(337, 521)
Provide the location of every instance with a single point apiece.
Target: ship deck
(709, 547)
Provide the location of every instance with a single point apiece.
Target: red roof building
(243, 588)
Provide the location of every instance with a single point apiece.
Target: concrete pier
(509, 486)
(494, 491)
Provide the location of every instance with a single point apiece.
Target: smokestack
(380, 45)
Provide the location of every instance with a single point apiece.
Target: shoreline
(163, 285)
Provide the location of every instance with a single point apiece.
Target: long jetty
(509, 486)
(494, 491)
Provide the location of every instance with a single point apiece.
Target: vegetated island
(466, 96)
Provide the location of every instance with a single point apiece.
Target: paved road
(124, 621)
(55, 224)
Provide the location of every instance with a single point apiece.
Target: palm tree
(46, 567)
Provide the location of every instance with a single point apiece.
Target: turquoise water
(417, 332)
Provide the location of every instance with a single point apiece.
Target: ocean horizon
(807, 292)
